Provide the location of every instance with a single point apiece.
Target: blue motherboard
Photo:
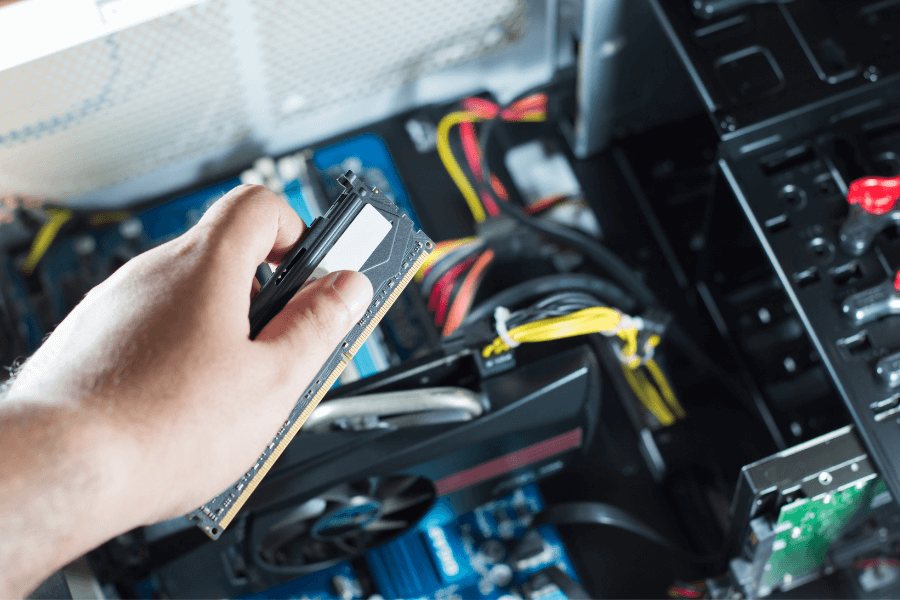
(75, 263)
(474, 555)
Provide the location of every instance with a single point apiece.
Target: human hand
(158, 360)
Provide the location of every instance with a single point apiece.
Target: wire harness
(570, 314)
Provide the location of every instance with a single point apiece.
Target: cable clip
(501, 316)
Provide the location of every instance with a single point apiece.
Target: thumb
(314, 322)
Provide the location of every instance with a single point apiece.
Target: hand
(156, 378)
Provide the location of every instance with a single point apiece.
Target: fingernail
(354, 289)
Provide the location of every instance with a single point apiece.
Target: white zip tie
(501, 316)
(625, 322)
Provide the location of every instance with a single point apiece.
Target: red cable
(471, 149)
(535, 104)
(466, 295)
(473, 157)
(680, 592)
(445, 279)
(543, 204)
(483, 109)
(489, 205)
(498, 188)
(443, 303)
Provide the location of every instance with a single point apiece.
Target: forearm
(64, 489)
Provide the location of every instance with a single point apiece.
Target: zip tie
(501, 316)
(625, 322)
(649, 353)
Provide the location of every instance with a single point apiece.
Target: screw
(825, 478)
(729, 123)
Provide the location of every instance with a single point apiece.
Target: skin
(129, 412)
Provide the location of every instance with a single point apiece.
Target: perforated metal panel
(116, 107)
(203, 91)
(320, 53)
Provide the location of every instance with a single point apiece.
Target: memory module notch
(362, 231)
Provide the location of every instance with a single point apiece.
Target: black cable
(558, 305)
(599, 513)
(527, 291)
(624, 275)
(568, 586)
(595, 252)
(601, 256)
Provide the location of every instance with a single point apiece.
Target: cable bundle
(527, 110)
(450, 278)
(570, 314)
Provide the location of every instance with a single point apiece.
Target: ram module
(362, 231)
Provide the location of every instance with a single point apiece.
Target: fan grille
(120, 106)
(344, 522)
(318, 54)
(188, 90)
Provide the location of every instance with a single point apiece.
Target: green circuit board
(806, 529)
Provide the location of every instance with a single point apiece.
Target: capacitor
(493, 550)
(500, 575)
(84, 245)
(266, 167)
(131, 229)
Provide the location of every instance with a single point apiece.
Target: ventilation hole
(856, 344)
(848, 273)
(821, 251)
(793, 197)
(808, 277)
(779, 223)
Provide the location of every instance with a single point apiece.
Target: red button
(897, 282)
(876, 195)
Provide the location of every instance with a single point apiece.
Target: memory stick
(362, 231)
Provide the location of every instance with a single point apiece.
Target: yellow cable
(590, 320)
(654, 399)
(648, 396)
(453, 168)
(57, 217)
(663, 384)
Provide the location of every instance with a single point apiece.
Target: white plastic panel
(201, 92)
(121, 105)
(317, 54)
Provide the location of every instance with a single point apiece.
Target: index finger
(251, 225)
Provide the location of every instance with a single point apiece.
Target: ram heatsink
(362, 231)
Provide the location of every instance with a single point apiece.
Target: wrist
(66, 486)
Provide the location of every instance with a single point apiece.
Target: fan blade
(394, 486)
(354, 546)
(386, 525)
(294, 524)
(311, 509)
(339, 494)
(395, 504)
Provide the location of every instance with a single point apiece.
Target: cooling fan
(338, 492)
(344, 521)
